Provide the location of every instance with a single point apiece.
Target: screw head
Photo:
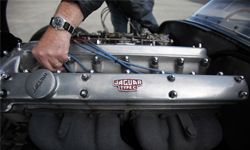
(239, 78)
(68, 60)
(200, 45)
(19, 47)
(96, 58)
(98, 42)
(5, 53)
(193, 73)
(3, 93)
(85, 77)
(84, 93)
(220, 73)
(26, 71)
(4, 76)
(204, 62)
(155, 60)
(127, 71)
(172, 94)
(171, 78)
(180, 61)
(126, 58)
(92, 71)
(243, 94)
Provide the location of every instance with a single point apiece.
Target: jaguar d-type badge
(127, 85)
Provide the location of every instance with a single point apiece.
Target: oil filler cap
(41, 84)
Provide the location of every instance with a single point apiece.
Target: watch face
(57, 23)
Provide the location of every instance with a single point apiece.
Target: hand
(52, 49)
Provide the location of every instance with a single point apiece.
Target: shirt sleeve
(88, 6)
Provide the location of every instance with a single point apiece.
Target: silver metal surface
(138, 54)
(154, 87)
(108, 85)
(141, 55)
(10, 65)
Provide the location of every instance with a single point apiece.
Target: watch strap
(68, 27)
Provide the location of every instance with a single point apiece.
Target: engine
(131, 92)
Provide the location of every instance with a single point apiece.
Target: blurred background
(25, 17)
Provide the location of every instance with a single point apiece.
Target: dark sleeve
(88, 6)
(137, 9)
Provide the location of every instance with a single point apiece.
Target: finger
(56, 64)
(44, 62)
(47, 65)
(64, 58)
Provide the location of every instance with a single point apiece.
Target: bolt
(204, 62)
(98, 42)
(58, 71)
(96, 60)
(200, 45)
(172, 94)
(3, 93)
(180, 61)
(26, 71)
(92, 71)
(239, 78)
(192, 73)
(126, 58)
(163, 72)
(85, 77)
(5, 53)
(127, 71)
(171, 78)
(155, 60)
(19, 46)
(84, 93)
(68, 60)
(220, 73)
(4, 76)
(243, 94)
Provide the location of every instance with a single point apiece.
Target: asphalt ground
(25, 17)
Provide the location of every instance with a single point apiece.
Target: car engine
(118, 91)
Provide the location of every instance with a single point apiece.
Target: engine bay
(139, 88)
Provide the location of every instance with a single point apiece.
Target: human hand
(52, 49)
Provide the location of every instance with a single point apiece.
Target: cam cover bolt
(155, 60)
(3, 93)
(239, 78)
(220, 73)
(84, 93)
(204, 62)
(85, 77)
(172, 94)
(243, 94)
(180, 61)
(171, 78)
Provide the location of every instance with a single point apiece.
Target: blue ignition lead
(91, 47)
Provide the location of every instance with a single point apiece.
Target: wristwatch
(60, 23)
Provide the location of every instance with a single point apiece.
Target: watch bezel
(58, 23)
